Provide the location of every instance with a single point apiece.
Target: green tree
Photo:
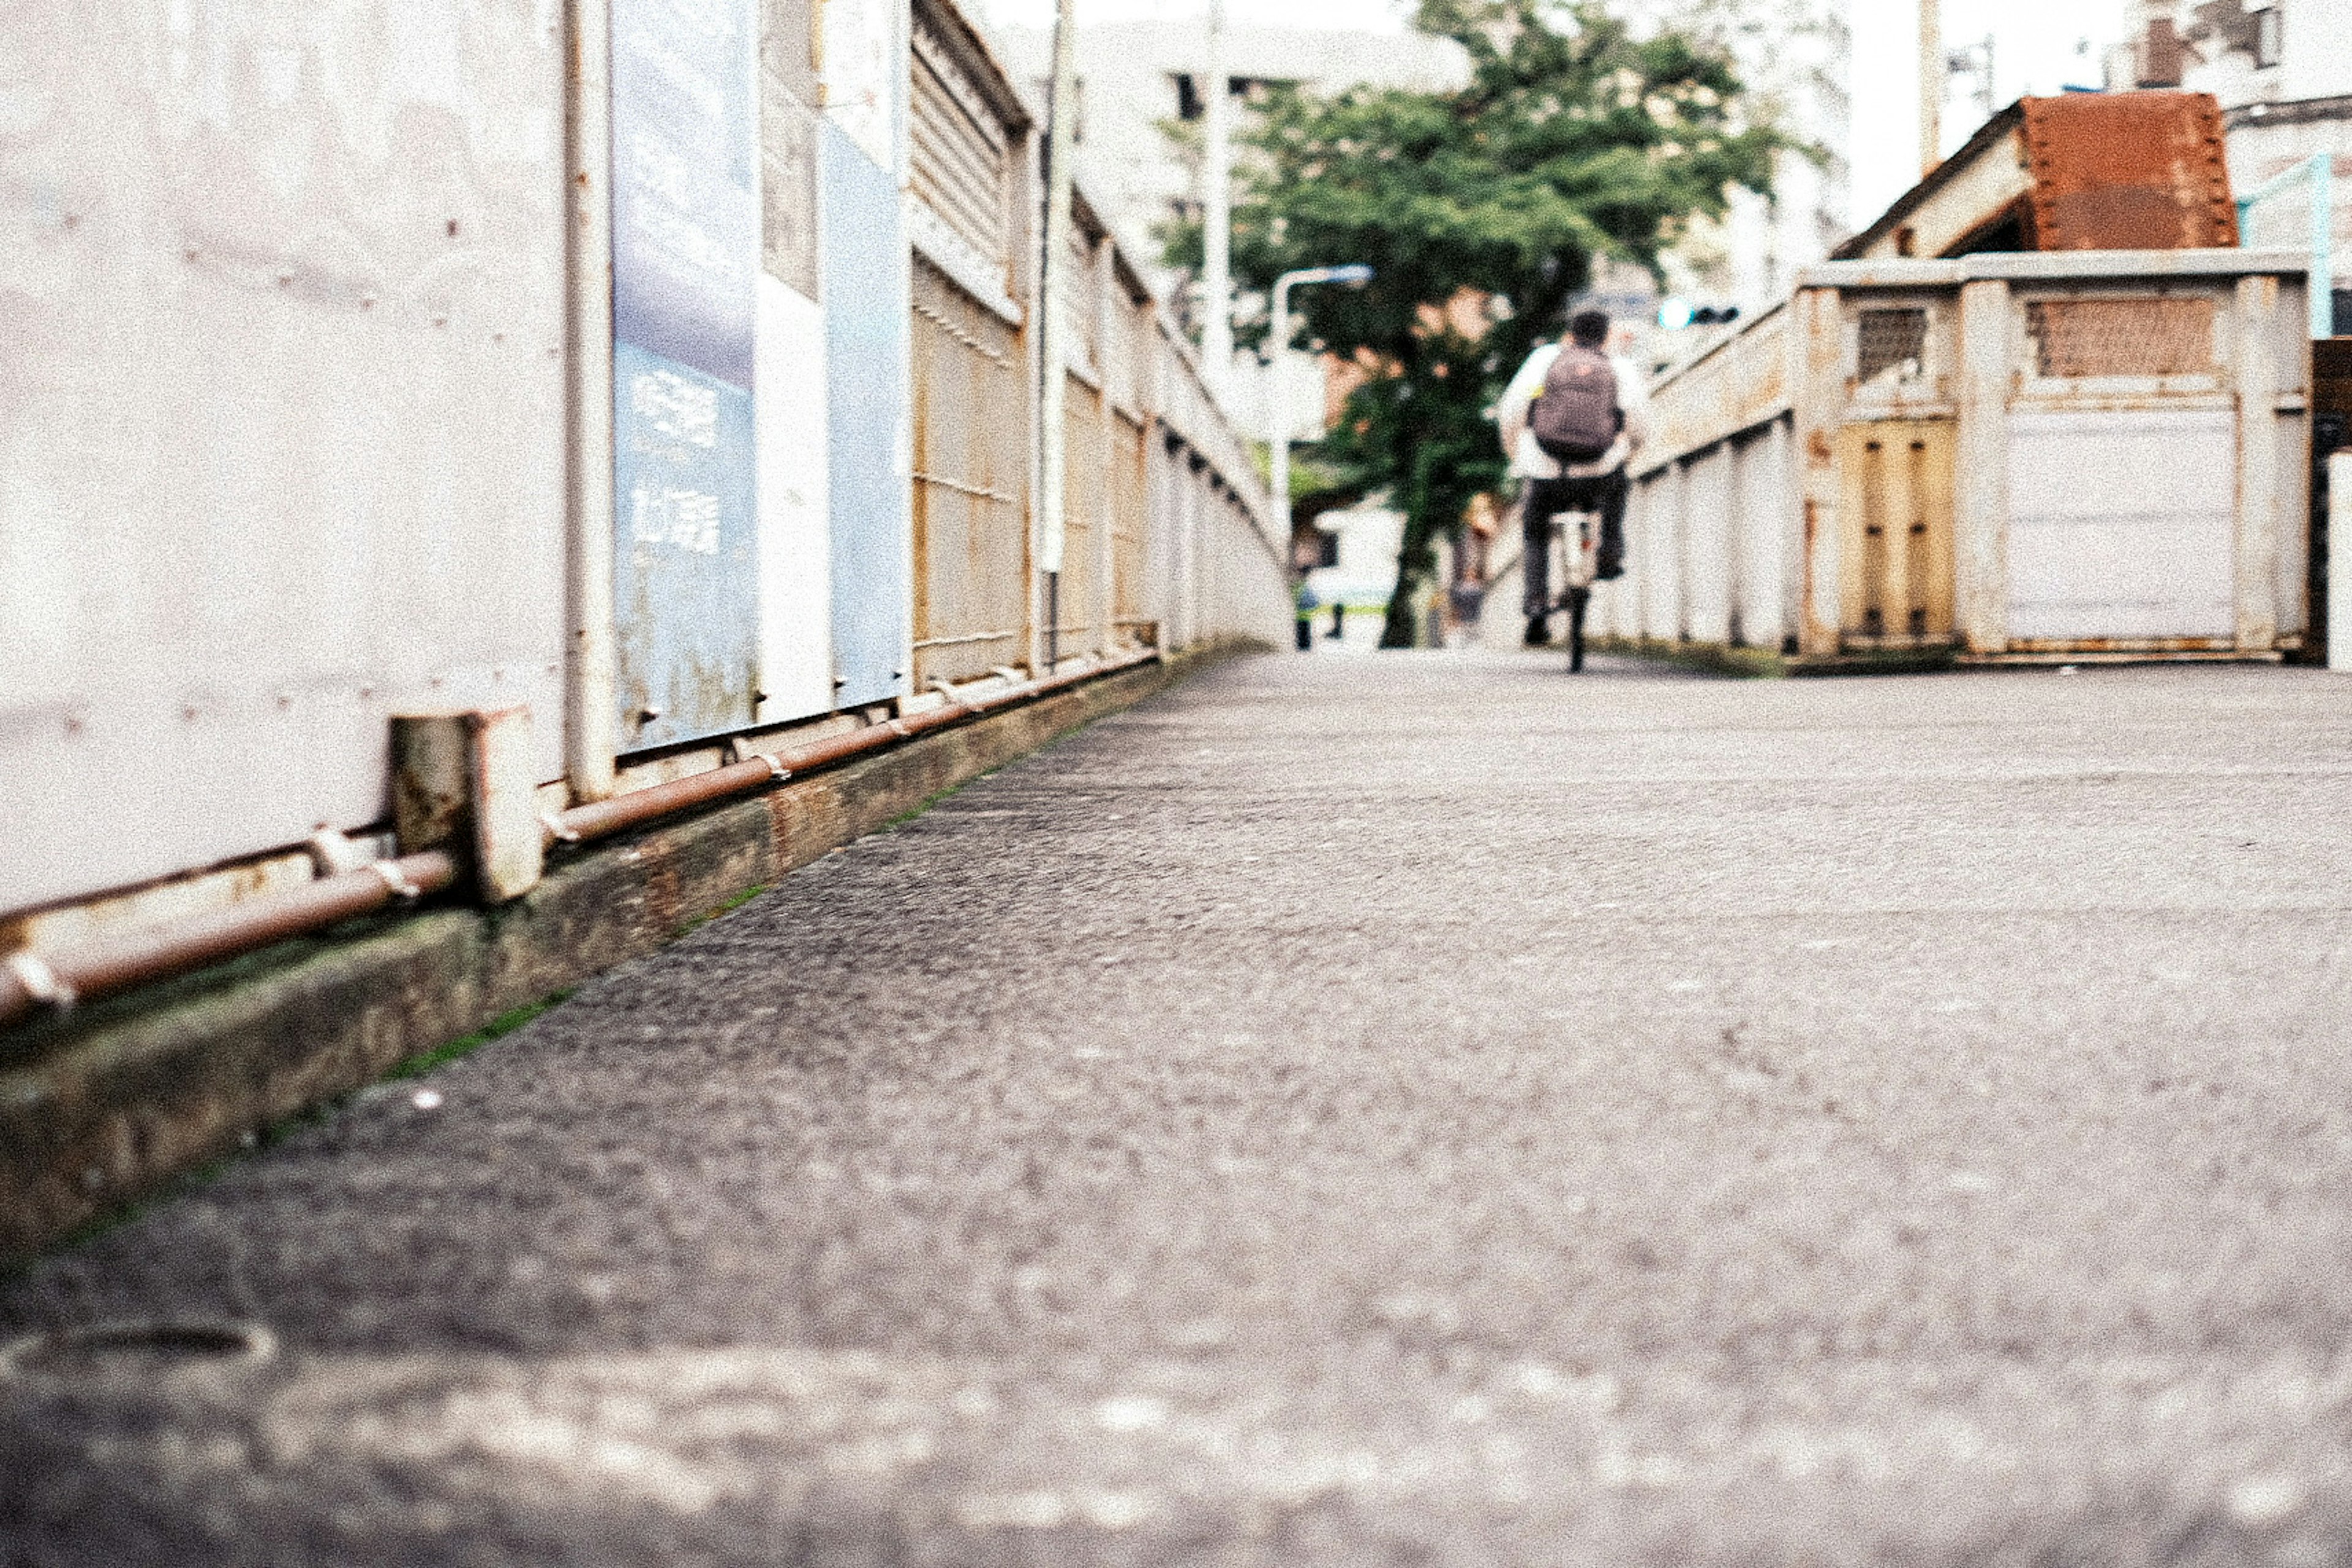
(1482, 212)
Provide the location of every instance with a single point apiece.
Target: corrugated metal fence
(290, 444)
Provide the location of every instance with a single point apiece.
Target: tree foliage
(1482, 212)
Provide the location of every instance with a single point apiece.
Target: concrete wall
(2003, 457)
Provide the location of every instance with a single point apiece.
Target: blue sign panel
(862, 261)
(686, 258)
(685, 565)
(685, 203)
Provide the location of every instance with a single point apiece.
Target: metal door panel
(2122, 525)
(1707, 563)
(1081, 608)
(1894, 552)
(281, 453)
(1763, 536)
(1129, 497)
(795, 535)
(970, 473)
(685, 558)
(686, 256)
(864, 250)
(1660, 587)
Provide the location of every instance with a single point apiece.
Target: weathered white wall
(282, 421)
(281, 430)
(1710, 558)
(795, 540)
(2121, 524)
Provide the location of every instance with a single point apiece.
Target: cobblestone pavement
(1415, 1109)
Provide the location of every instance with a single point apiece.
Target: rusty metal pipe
(137, 958)
(603, 818)
(102, 968)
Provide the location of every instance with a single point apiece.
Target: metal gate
(972, 456)
(1894, 559)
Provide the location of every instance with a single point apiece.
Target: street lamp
(1355, 276)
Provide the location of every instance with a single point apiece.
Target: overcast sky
(2035, 51)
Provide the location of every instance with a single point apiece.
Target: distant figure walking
(1570, 421)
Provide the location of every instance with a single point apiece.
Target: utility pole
(1216, 208)
(1053, 309)
(1932, 69)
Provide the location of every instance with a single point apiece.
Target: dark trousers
(1546, 498)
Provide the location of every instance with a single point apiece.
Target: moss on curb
(104, 1110)
(1750, 663)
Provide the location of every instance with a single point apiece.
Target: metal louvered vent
(960, 163)
(2075, 338)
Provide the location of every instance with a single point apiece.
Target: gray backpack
(1576, 418)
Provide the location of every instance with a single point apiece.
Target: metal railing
(2316, 175)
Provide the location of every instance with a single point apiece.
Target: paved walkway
(1413, 1110)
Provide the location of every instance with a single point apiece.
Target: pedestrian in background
(1551, 484)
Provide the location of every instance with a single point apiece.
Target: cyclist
(1549, 486)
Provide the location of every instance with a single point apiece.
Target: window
(1191, 103)
(2269, 32)
(2163, 56)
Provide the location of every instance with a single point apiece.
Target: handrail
(2320, 170)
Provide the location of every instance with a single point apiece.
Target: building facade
(2281, 71)
(1797, 58)
(1142, 101)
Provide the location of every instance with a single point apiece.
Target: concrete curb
(1757, 663)
(1764, 664)
(107, 1107)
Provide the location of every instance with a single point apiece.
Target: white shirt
(1529, 460)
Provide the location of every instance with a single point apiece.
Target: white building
(1797, 58)
(1138, 79)
(2283, 72)
(1141, 103)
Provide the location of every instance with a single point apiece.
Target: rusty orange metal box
(2127, 171)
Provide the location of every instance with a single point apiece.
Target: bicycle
(1576, 567)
